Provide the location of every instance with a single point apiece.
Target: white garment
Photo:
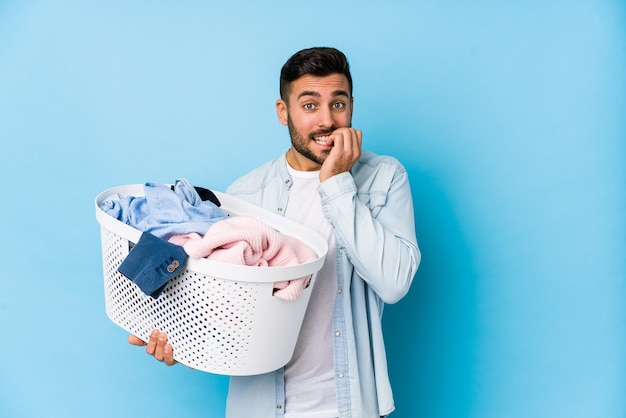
(309, 377)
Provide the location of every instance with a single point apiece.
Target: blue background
(509, 116)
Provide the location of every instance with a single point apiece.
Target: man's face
(315, 108)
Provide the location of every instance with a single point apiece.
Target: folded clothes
(164, 211)
(152, 263)
(248, 241)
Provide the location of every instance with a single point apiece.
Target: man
(362, 204)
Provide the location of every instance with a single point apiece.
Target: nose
(325, 118)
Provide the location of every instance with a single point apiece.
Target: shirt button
(175, 264)
(339, 290)
(279, 406)
(280, 209)
(340, 375)
(341, 251)
(337, 333)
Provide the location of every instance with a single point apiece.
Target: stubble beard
(300, 144)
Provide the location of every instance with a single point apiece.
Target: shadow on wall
(430, 334)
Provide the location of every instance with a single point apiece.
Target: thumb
(135, 340)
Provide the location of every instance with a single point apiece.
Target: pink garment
(247, 241)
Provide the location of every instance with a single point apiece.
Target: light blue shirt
(371, 210)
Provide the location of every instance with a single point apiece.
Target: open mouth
(322, 140)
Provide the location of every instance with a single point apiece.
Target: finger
(359, 137)
(152, 342)
(135, 340)
(349, 139)
(168, 355)
(349, 144)
(357, 143)
(344, 153)
(160, 346)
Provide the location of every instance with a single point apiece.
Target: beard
(301, 143)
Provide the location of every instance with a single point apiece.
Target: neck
(299, 162)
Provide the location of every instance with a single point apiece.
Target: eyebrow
(335, 93)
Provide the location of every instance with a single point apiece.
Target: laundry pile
(182, 221)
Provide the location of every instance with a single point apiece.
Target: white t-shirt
(309, 377)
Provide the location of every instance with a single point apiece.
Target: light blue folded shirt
(164, 212)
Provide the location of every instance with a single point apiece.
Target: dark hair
(319, 62)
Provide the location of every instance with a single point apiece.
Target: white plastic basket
(220, 318)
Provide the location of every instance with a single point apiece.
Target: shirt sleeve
(375, 225)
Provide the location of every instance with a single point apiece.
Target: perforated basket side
(216, 325)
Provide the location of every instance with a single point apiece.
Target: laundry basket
(220, 318)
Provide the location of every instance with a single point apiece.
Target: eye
(339, 105)
(309, 106)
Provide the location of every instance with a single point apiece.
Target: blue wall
(508, 115)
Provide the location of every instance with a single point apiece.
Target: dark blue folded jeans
(152, 263)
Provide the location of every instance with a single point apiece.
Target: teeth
(322, 139)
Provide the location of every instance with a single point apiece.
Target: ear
(282, 112)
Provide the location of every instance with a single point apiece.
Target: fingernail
(154, 334)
